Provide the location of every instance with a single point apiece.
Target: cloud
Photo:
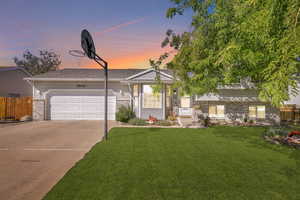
(116, 27)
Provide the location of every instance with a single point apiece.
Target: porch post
(140, 89)
(164, 101)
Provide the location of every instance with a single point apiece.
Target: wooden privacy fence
(290, 114)
(14, 108)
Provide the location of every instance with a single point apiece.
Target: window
(252, 111)
(257, 112)
(217, 111)
(185, 102)
(261, 112)
(151, 100)
(135, 90)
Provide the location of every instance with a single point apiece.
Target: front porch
(148, 98)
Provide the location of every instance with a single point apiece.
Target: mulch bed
(289, 141)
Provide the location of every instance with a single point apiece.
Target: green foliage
(271, 132)
(137, 122)
(155, 64)
(207, 122)
(172, 118)
(236, 40)
(47, 61)
(124, 114)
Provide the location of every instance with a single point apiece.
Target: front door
(185, 108)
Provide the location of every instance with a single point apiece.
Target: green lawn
(216, 163)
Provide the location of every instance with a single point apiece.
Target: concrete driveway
(35, 156)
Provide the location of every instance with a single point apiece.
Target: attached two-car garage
(76, 106)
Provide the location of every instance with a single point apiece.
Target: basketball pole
(104, 65)
(106, 99)
(89, 49)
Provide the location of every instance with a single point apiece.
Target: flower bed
(283, 136)
(151, 122)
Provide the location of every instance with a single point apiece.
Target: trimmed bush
(172, 118)
(207, 122)
(124, 114)
(163, 123)
(271, 132)
(137, 122)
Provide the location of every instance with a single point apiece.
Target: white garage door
(81, 107)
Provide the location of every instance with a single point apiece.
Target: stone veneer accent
(240, 110)
(38, 110)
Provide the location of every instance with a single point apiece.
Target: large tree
(233, 40)
(46, 61)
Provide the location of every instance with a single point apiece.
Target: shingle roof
(6, 69)
(69, 73)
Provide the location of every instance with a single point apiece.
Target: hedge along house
(78, 94)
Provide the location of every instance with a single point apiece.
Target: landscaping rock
(26, 118)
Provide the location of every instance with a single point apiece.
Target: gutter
(146, 81)
(71, 79)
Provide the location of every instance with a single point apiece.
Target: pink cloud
(116, 27)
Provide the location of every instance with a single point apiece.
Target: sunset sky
(127, 33)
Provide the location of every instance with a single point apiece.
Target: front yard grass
(232, 163)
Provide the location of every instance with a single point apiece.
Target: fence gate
(14, 108)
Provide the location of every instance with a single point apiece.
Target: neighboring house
(78, 94)
(294, 99)
(12, 83)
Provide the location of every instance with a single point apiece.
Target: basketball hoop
(77, 53)
(87, 44)
(89, 51)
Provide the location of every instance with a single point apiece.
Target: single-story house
(12, 83)
(78, 94)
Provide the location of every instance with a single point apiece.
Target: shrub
(207, 122)
(137, 122)
(172, 118)
(124, 114)
(271, 132)
(163, 123)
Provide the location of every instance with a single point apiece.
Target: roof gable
(150, 75)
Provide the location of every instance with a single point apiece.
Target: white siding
(294, 99)
(42, 88)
